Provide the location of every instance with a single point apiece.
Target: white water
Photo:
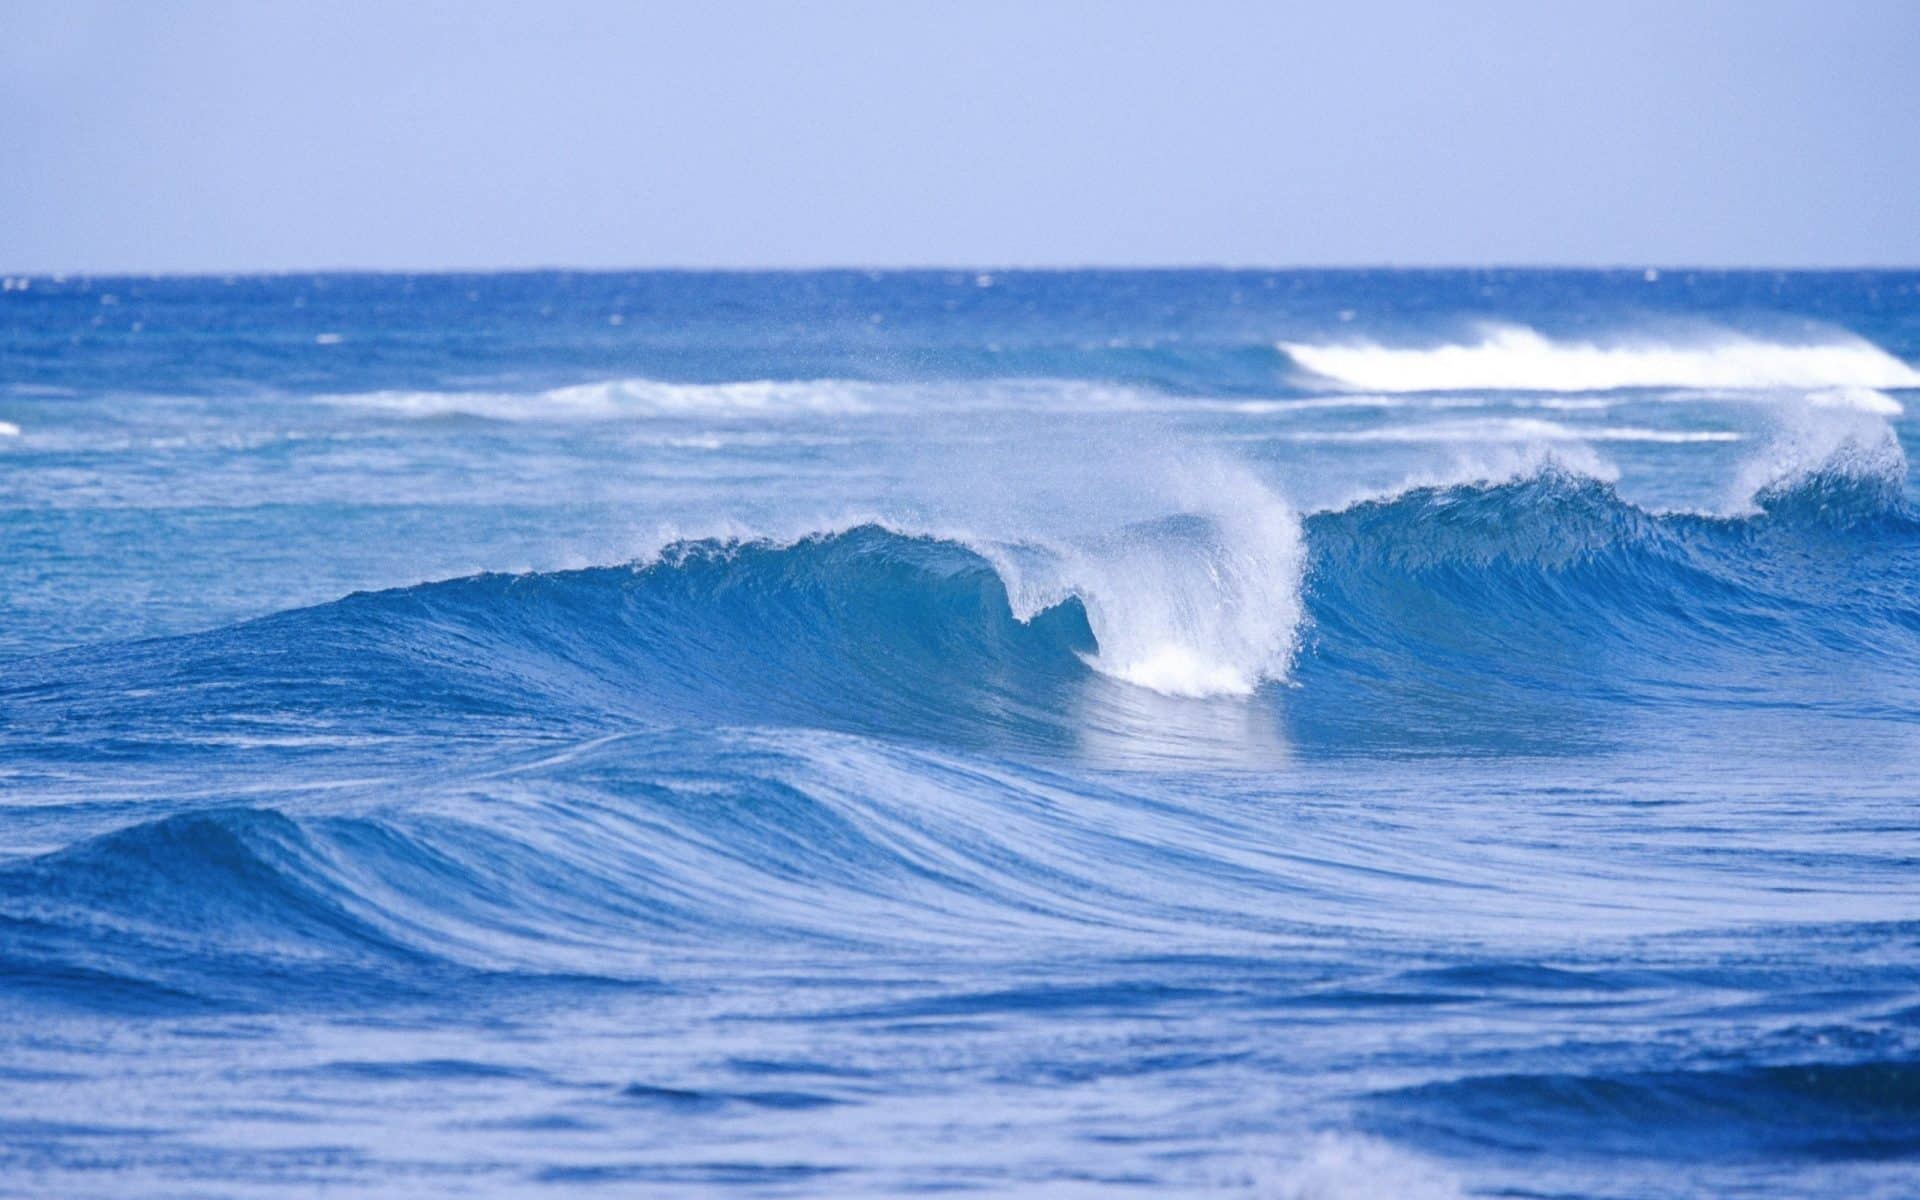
(1511, 429)
(1811, 439)
(1346, 1167)
(761, 398)
(1516, 358)
(1207, 604)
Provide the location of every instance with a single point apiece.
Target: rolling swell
(1823, 1110)
(630, 734)
(191, 911)
(1546, 598)
(582, 865)
(865, 630)
(641, 741)
(1550, 601)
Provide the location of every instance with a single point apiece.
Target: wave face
(835, 734)
(924, 637)
(1869, 1108)
(1538, 593)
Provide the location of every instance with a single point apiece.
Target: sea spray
(1204, 602)
(1819, 445)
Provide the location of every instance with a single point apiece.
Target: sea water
(1303, 734)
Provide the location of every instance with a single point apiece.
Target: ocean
(1290, 734)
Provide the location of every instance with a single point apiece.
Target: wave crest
(643, 398)
(1542, 597)
(1826, 462)
(1202, 604)
(1516, 358)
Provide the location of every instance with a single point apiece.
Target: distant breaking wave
(1516, 358)
(756, 398)
(627, 397)
(1514, 429)
(1845, 373)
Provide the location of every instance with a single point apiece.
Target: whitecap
(1203, 603)
(1864, 400)
(640, 398)
(1509, 429)
(1810, 440)
(1339, 1166)
(1516, 358)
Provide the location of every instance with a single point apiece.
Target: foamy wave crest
(9, 429)
(626, 398)
(1494, 465)
(1516, 358)
(1512, 429)
(1202, 604)
(1821, 450)
(1858, 399)
(1346, 1167)
(761, 398)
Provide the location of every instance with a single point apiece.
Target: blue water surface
(1305, 734)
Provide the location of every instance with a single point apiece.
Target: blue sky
(197, 135)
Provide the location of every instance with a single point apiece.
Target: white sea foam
(625, 398)
(1811, 439)
(1204, 604)
(1490, 466)
(9, 429)
(1858, 399)
(1508, 429)
(1559, 404)
(1197, 596)
(1343, 1167)
(1262, 408)
(762, 398)
(1361, 400)
(1515, 358)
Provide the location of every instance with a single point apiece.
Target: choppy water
(1300, 735)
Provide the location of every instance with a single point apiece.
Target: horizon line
(1642, 267)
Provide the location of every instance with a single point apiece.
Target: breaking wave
(1509, 590)
(1516, 358)
(761, 399)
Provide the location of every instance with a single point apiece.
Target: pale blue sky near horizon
(216, 135)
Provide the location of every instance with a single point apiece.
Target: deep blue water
(1329, 734)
